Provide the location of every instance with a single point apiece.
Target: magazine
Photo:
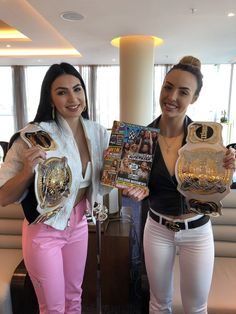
(129, 156)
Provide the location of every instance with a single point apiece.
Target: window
(7, 121)
(159, 75)
(214, 99)
(232, 113)
(33, 76)
(107, 102)
(217, 97)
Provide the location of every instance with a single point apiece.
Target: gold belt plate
(52, 182)
(201, 177)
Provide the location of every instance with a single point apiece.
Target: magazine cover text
(129, 156)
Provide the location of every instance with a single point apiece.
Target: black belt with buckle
(177, 226)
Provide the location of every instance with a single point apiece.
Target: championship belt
(52, 182)
(52, 177)
(39, 138)
(201, 177)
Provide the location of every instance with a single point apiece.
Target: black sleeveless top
(164, 198)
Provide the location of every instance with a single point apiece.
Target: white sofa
(222, 297)
(10, 251)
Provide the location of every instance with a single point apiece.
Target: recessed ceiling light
(71, 16)
(193, 10)
(8, 33)
(231, 14)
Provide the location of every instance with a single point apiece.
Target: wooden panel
(115, 278)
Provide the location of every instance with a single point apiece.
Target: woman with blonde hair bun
(190, 60)
(167, 206)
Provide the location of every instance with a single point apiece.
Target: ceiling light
(193, 10)
(39, 52)
(156, 41)
(71, 16)
(231, 14)
(8, 33)
(12, 36)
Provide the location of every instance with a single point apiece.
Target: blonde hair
(192, 65)
(190, 60)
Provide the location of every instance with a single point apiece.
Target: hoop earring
(85, 108)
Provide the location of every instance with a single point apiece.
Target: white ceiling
(205, 32)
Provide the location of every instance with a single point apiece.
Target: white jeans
(196, 259)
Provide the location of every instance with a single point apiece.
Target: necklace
(169, 145)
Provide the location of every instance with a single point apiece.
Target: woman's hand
(105, 153)
(14, 188)
(229, 159)
(135, 193)
(31, 157)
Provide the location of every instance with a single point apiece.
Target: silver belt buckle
(173, 226)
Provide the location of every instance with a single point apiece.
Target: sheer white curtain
(107, 101)
(33, 80)
(216, 98)
(88, 74)
(159, 75)
(213, 102)
(7, 118)
(232, 111)
(102, 82)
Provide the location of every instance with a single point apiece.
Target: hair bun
(190, 60)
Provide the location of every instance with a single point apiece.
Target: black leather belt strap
(177, 226)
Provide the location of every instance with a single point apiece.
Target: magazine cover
(129, 156)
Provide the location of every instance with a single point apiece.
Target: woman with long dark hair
(53, 168)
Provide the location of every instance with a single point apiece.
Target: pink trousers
(55, 261)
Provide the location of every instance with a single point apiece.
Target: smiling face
(144, 166)
(68, 96)
(178, 91)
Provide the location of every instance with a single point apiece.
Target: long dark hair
(45, 112)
